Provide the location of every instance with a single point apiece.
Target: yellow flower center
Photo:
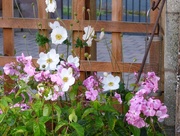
(58, 36)
(111, 84)
(65, 79)
(49, 60)
(50, 1)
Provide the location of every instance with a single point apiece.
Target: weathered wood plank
(109, 26)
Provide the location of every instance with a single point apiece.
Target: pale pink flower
(91, 94)
(118, 97)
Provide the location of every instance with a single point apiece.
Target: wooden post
(44, 15)
(91, 4)
(8, 33)
(117, 55)
(8, 38)
(117, 12)
(78, 15)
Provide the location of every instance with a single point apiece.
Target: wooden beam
(109, 26)
(95, 66)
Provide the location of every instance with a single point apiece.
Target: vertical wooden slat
(44, 15)
(91, 4)
(117, 12)
(8, 38)
(8, 33)
(77, 8)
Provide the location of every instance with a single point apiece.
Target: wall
(170, 61)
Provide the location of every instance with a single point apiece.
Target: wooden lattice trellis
(116, 26)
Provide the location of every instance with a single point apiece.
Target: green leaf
(58, 112)
(39, 129)
(37, 107)
(136, 131)
(107, 108)
(73, 117)
(88, 111)
(41, 40)
(42, 128)
(36, 129)
(44, 119)
(98, 122)
(96, 105)
(2, 116)
(60, 124)
(26, 114)
(19, 129)
(73, 92)
(128, 96)
(112, 123)
(80, 43)
(47, 109)
(79, 129)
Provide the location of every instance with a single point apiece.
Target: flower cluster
(53, 78)
(92, 85)
(143, 106)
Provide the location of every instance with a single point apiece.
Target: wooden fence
(8, 23)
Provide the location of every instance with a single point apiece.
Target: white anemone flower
(89, 32)
(101, 36)
(89, 42)
(59, 35)
(48, 61)
(54, 25)
(110, 82)
(49, 97)
(51, 6)
(74, 60)
(67, 78)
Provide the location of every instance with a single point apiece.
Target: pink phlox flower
(118, 97)
(91, 94)
(132, 115)
(9, 69)
(90, 82)
(23, 106)
(162, 113)
(151, 81)
(24, 60)
(42, 75)
(142, 92)
(133, 118)
(137, 103)
(156, 103)
(30, 70)
(55, 78)
(149, 110)
(139, 123)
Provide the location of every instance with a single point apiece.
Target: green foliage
(41, 40)
(80, 43)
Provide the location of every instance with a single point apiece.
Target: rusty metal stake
(154, 6)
